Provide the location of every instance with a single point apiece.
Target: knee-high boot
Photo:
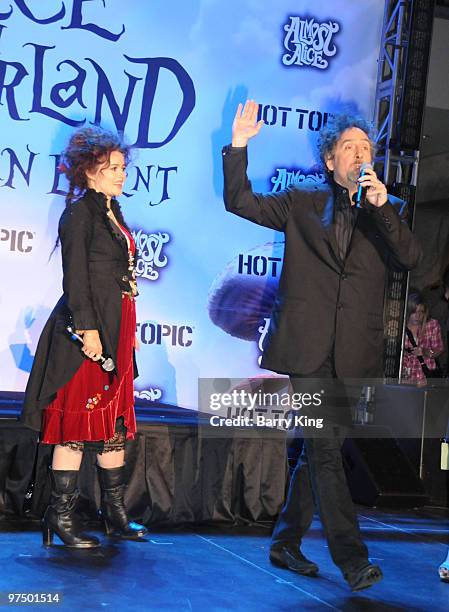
(59, 517)
(112, 483)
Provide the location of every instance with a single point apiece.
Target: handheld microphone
(360, 196)
(107, 363)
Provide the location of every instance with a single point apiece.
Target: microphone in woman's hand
(107, 363)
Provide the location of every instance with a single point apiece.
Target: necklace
(131, 265)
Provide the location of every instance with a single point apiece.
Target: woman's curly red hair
(87, 148)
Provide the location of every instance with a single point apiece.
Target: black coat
(323, 302)
(95, 271)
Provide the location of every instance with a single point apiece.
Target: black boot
(59, 516)
(112, 505)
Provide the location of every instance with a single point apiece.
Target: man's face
(351, 150)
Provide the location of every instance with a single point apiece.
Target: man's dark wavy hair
(334, 128)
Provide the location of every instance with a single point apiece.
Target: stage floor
(221, 569)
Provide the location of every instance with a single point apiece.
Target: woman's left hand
(418, 351)
(91, 344)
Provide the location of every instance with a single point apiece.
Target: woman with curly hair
(70, 398)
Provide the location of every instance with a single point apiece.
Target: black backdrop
(177, 474)
(188, 472)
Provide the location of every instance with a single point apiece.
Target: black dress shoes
(293, 559)
(364, 577)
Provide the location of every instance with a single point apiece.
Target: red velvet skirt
(87, 407)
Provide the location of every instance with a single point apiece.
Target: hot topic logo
(309, 43)
(149, 253)
(17, 240)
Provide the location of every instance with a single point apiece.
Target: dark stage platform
(182, 470)
(223, 568)
(209, 501)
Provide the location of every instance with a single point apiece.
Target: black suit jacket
(95, 271)
(323, 302)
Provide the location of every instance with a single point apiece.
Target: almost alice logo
(308, 43)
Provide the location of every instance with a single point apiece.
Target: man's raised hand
(245, 124)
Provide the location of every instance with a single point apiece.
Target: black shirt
(345, 216)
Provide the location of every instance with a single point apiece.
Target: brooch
(93, 401)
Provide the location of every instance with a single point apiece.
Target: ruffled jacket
(95, 272)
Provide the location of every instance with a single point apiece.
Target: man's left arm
(391, 222)
(390, 216)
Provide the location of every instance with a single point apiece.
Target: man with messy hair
(327, 319)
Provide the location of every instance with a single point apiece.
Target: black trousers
(319, 482)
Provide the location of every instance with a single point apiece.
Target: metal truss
(396, 165)
(404, 34)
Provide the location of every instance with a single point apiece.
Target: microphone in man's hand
(360, 195)
(107, 363)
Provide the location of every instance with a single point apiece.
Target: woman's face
(109, 177)
(417, 317)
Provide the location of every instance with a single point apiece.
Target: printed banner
(170, 77)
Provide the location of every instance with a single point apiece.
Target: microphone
(360, 196)
(107, 363)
